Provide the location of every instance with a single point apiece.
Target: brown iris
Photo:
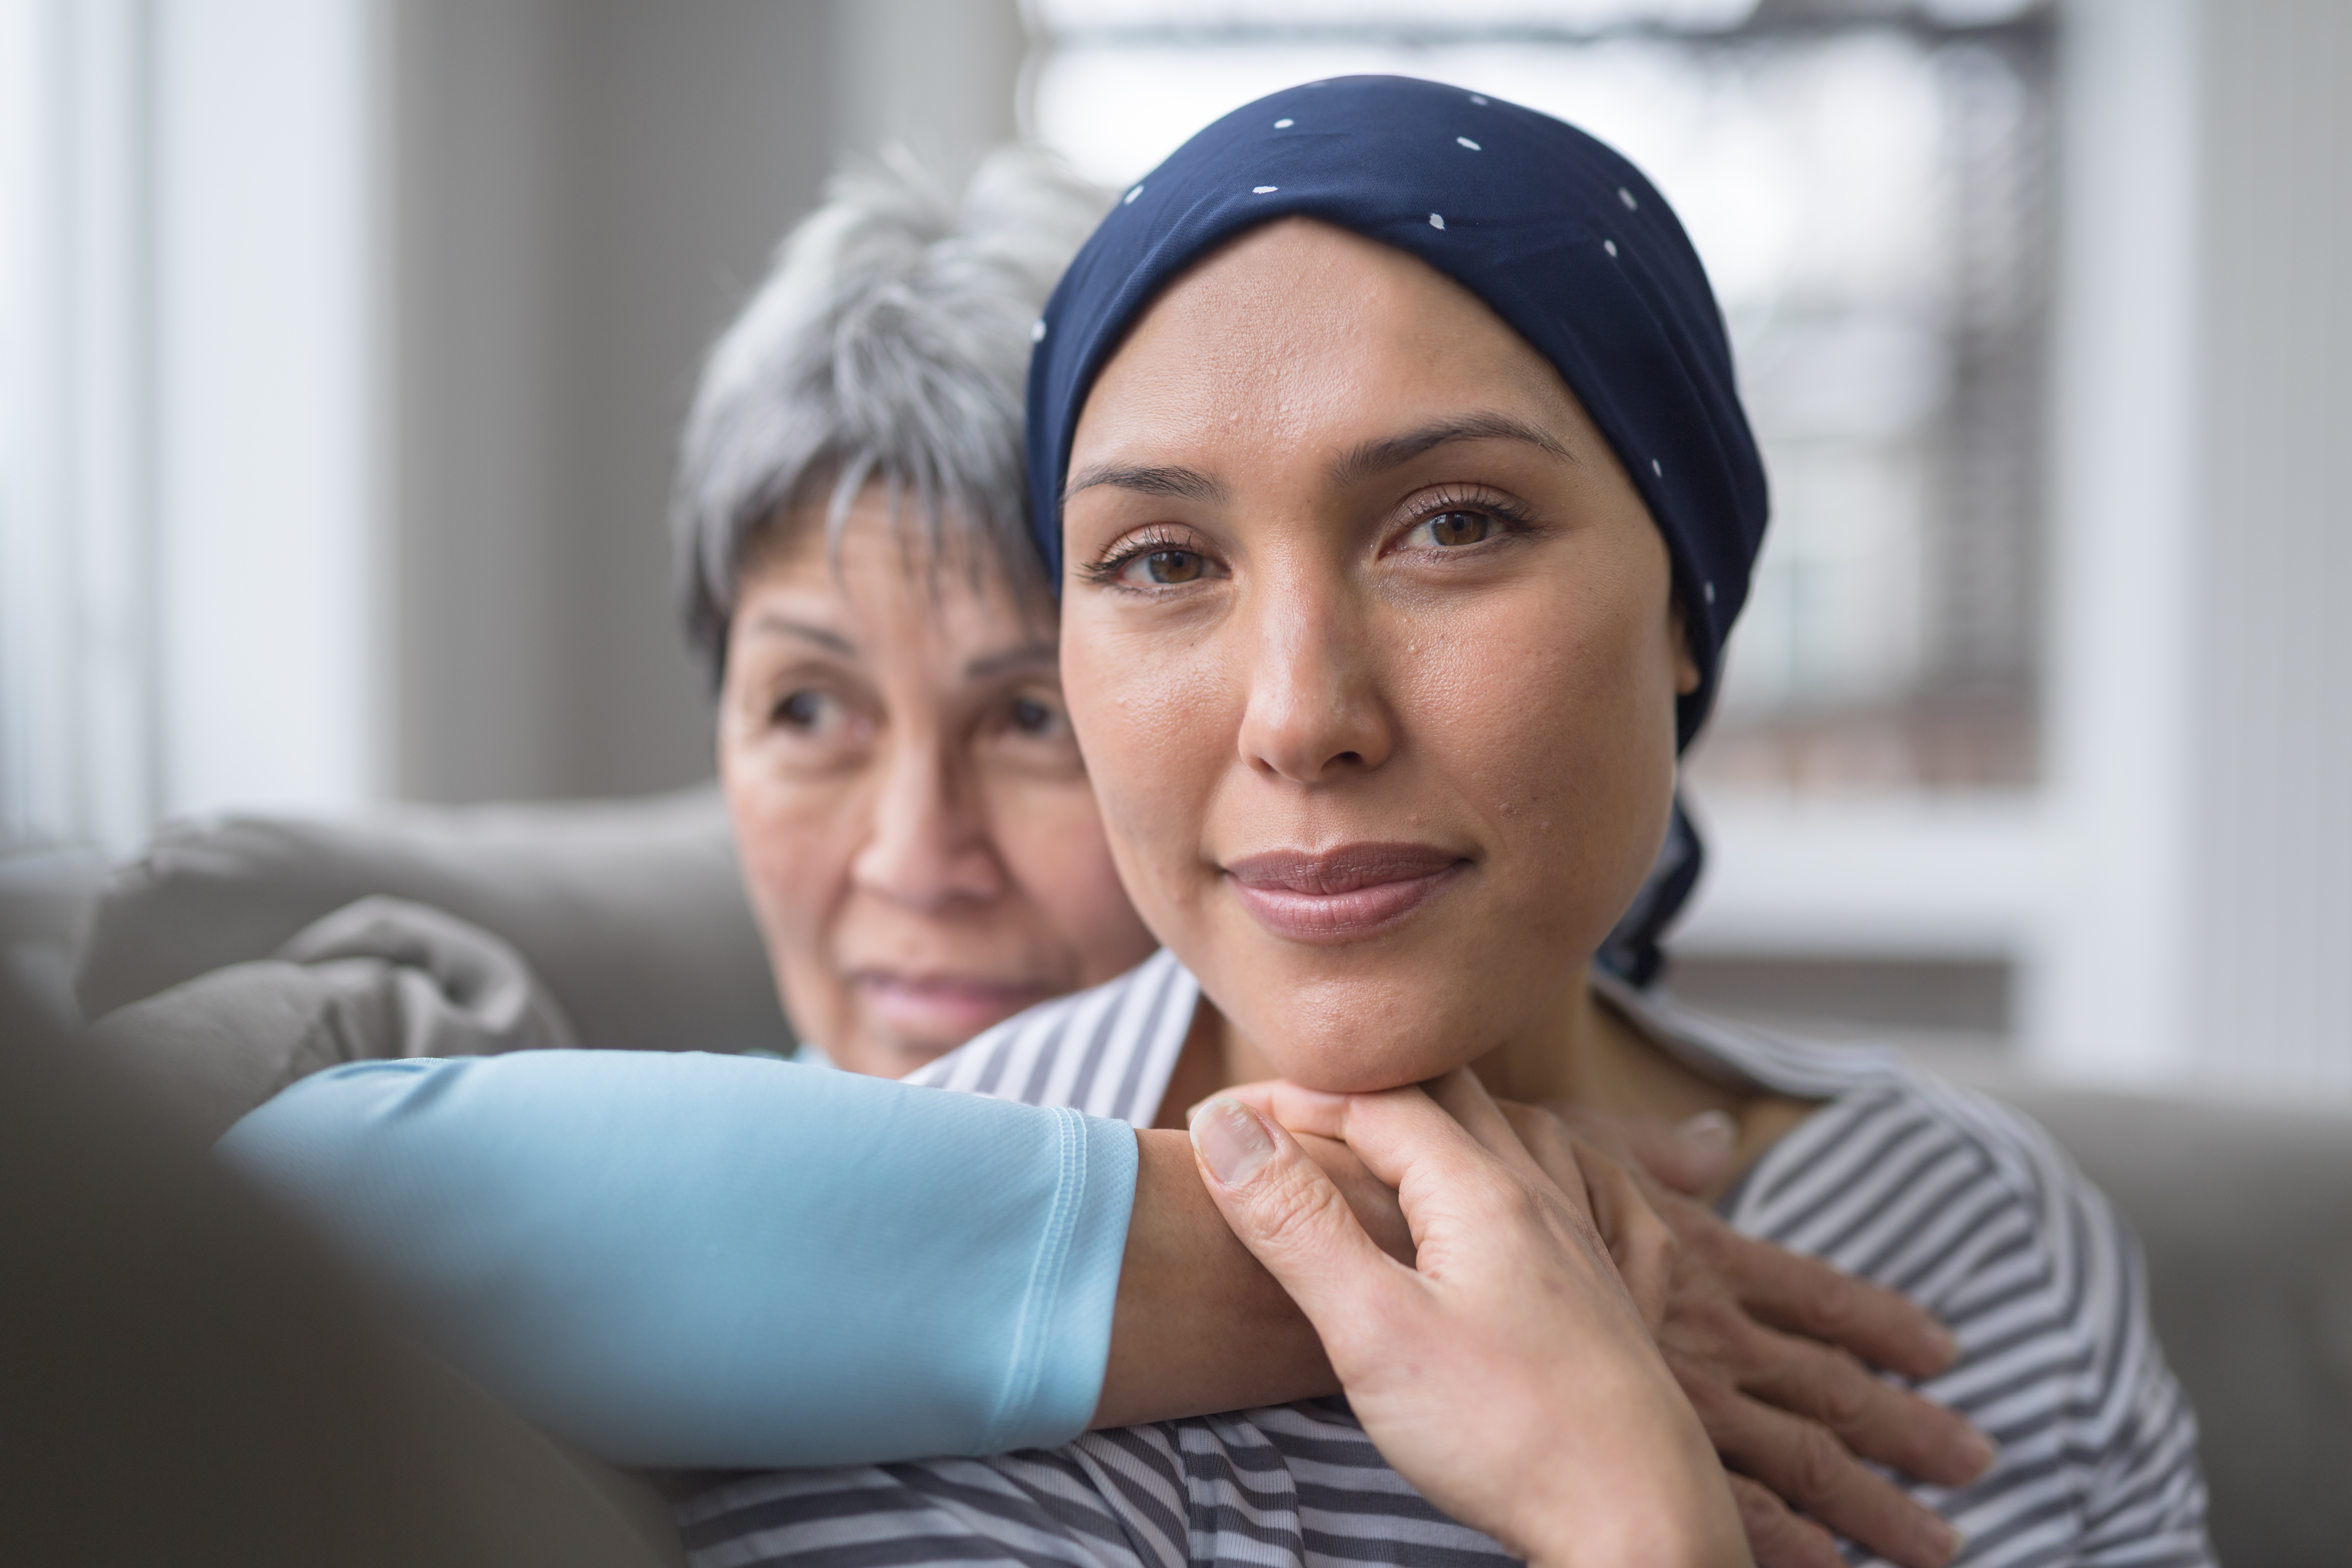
(1458, 528)
(1172, 566)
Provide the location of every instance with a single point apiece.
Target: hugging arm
(691, 1260)
(687, 1259)
(1200, 1326)
(717, 1262)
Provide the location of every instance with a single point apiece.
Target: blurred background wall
(344, 344)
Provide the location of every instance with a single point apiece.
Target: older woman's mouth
(943, 1008)
(1342, 894)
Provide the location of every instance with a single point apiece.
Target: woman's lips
(942, 1007)
(1343, 894)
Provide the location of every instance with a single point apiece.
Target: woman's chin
(1360, 1066)
(928, 1020)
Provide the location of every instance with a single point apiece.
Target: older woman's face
(917, 830)
(1369, 645)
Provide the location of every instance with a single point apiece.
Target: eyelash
(1510, 513)
(1150, 543)
(1502, 509)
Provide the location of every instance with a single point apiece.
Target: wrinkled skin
(917, 833)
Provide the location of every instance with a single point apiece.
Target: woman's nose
(928, 845)
(1316, 710)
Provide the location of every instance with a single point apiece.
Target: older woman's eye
(1449, 529)
(1032, 718)
(804, 710)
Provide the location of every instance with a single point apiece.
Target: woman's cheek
(1054, 844)
(1549, 732)
(793, 845)
(1159, 745)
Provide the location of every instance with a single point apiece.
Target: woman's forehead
(1305, 330)
(877, 587)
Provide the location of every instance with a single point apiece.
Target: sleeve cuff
(1056, 1378)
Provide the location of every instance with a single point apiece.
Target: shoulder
(1970, 1208)
(1935, 1191)
(1106, 1051)
(1900, 1177)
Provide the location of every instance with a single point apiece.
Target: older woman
(917, 832)
(923, 849)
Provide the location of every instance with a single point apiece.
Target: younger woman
(1386, 445)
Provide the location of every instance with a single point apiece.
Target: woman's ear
(1686, 663)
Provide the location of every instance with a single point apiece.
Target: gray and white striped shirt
(1933, 1191)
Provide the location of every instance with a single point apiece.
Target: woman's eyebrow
(831, 642)
(1361, 462)
(1183, 484)
(1023, 657)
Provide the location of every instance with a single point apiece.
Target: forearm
(1200, 1325)
(700, 1260)
(697, 1261)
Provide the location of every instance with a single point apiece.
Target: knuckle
(1847, 1392)
(1707, 1239)
(1661, 1241)
(1818, 1464)
(1777, 1538)
(1649, 1255)
(1502, 1203)
(1740, 1343)
(1294, 1213)
(1830, 1298)
(1760, 1513)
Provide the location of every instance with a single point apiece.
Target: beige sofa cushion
(630, 913)
(378, 979)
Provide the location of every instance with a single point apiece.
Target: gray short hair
(890, 341)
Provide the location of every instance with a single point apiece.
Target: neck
(1582, 1051)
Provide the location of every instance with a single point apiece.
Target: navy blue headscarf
(1560, 237)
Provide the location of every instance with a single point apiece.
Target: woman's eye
(1163, 568)
(1032, 718)
(1450, 530)
(800, 710)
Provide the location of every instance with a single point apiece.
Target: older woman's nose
(928, 844)
(1316, 711)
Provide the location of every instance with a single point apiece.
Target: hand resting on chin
(1506, 1373)
(1769, 1346)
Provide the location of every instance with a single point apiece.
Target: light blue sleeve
(693, 1261)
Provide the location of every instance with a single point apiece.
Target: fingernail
(1943, 1541)
(1976, 1452)
(1710, 1134)
(1947, 1346)
(1232, 1141)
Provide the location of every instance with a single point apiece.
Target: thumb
(1290, 1215)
